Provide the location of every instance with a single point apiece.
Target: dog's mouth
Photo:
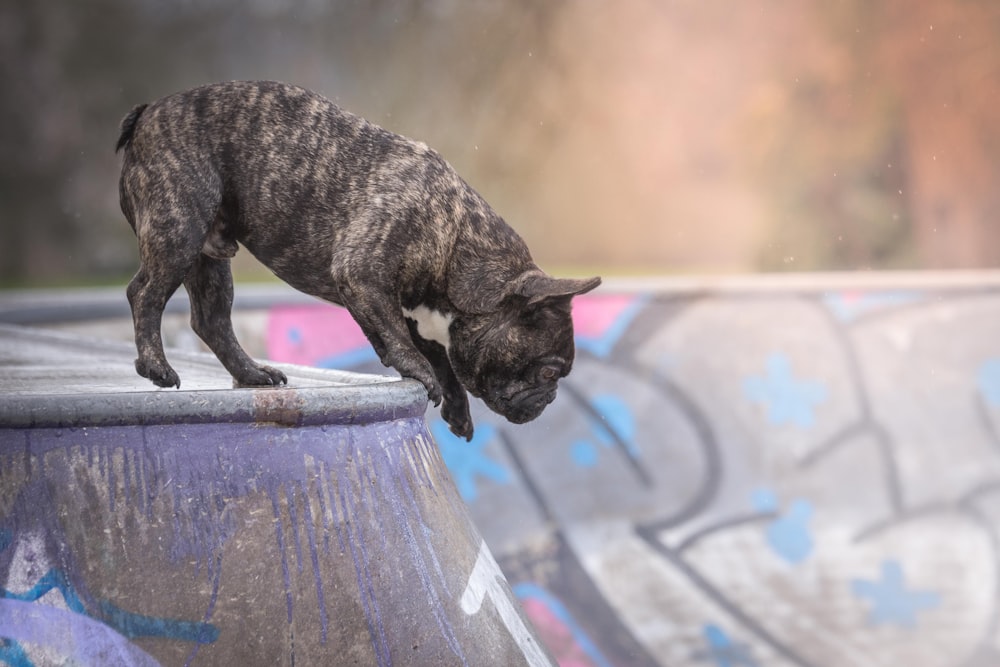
(524, 405)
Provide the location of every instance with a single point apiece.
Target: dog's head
(511, 349)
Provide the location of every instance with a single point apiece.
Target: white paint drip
(486, 580)
(431, 324)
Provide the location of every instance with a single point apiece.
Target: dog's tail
(128, 126)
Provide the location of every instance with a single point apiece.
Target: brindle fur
(348, 212)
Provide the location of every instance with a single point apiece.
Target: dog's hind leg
(171, 213)
(164, 260)
(209, 283)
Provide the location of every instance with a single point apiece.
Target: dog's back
(272, 144)
(242, 156)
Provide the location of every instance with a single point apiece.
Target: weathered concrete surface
(769, 473)
(738, 473)
(313, 525)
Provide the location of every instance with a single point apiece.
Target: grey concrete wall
(757, 473)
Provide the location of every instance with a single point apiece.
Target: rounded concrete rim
(282, 406)
(339, 397)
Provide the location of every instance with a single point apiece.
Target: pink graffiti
(556, 636)
(326, 335)
(312, 334)
(594, 314)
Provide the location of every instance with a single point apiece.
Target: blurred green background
(624, 137)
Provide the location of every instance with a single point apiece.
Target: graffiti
(611, 423)
(731, 443)
(291, 337)
(468, 461)
(788, 533)
(600, 320)
(485, 583)
(989, 382)
(61, 631)
(891, 601)
(128, 624)
(285, 545)
(850, 305)
(87, 636)
(722, 651)
(787, 400)
(11, 653)
(561, 633)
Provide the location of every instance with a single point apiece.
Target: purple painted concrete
(314, 525)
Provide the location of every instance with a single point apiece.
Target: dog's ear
(537, 286)
(482, 289)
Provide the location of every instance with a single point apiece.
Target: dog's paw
(456, 414)
(260, 376)
(161, 375)
(461, 427)
(416, 367)
(434, 392)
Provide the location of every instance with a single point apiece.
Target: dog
(445, 291)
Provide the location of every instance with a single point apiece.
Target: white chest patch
(431, 324)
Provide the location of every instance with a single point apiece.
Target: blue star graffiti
(787, 399)
(891, 600)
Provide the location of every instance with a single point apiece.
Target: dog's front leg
(455, 408)
(382, 322)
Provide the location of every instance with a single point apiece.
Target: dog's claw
(456, 414)
(463, 431)
(161, 377)
(434, 393)
(277, 377)
(434, 396)
(260, 376)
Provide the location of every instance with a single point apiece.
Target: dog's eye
(549, 373)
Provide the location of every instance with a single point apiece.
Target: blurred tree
(459, 76)
(833, 157)
(942, 60)
(878, 149)
(657, 135)
(454, 74)
(70, 71)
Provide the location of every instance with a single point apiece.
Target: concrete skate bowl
(796, 475)
(756, 473)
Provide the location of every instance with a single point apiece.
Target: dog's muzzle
(527, 404)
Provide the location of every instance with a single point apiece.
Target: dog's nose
(539, 401)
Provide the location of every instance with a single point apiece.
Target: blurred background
(629, 137)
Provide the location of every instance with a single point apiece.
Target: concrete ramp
(750, 474)
(313, 525)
